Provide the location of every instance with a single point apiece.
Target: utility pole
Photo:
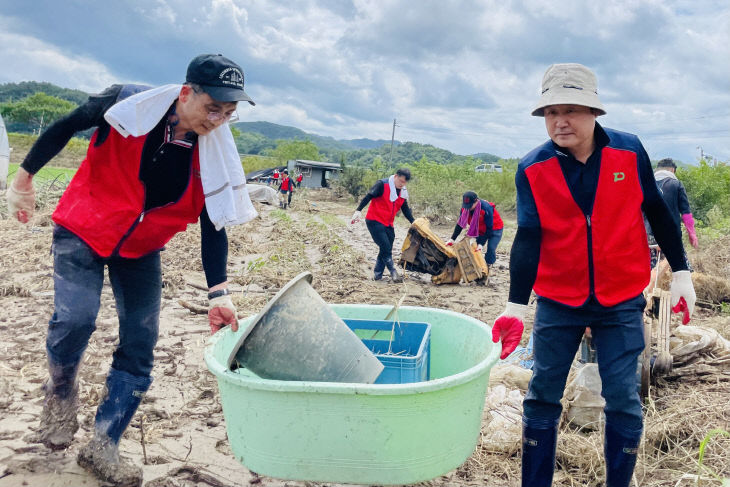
(702, 153)
(392, 140)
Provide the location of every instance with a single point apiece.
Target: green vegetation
(708, 190)
(703, 445)
(435, 189)
(36, 111)
(48, 177)
(10, 92)
(255, 163)
(71, 155)
(293, 149)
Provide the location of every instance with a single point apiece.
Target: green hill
(17, 91)
(261, 137)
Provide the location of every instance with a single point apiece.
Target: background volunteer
(386, 198)
(484, 222)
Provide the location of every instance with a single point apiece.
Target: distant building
(317, 174)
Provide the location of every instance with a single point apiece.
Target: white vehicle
(488, 168)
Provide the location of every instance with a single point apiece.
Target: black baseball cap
(219, 77)
(468, 199)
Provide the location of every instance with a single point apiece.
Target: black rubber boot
(538, 452)
(620, 447)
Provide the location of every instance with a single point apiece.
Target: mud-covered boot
(394, 276)
(124, 392)
(58, 422)
(378, 270)
(101, 457)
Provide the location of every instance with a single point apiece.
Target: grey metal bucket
(298, 337)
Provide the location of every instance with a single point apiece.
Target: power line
(683, 119)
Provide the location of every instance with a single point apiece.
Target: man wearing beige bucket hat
(581, 246)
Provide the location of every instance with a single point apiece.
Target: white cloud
(34, 60)
(461, 75)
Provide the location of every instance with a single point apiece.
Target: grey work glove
(21, 204)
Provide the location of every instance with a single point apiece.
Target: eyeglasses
(216, 116)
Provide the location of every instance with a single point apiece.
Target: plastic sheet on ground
(262, 193)
(692, 341)
(699, 353)
(582, 400)
(523, 355)
(502, 428)
(510, 375)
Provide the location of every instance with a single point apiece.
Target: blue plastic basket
(411, 340)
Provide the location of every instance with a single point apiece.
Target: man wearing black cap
(159, 159)
(484, 222)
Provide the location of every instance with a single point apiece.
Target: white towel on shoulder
(221, 173)
(393, 193)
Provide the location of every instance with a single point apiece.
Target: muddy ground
(181, 419)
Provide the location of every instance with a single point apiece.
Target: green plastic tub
(362, 433)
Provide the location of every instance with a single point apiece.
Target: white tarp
(262, 193)
(4, 154)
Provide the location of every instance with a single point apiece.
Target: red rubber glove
(683, 295)
(221, 312)
(508, 328)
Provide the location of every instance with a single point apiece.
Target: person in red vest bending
(484, 222)
(300, 176)
(386, 197)
(286, 187)
(581, 246)
(158, 161)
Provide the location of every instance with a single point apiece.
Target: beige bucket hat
(569, 84)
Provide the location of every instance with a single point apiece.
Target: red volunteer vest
(383, 210)
(497, 223)
(613, 236)
(286, 184)
(103, 203)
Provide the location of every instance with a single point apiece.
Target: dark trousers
(492, 242)
(383, 237)
(284, 193)
(78, 277)
(618, 336)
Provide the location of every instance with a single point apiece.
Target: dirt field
(184, 432)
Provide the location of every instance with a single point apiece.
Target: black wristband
(218, 293)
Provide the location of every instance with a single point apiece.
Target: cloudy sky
(462, 75)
